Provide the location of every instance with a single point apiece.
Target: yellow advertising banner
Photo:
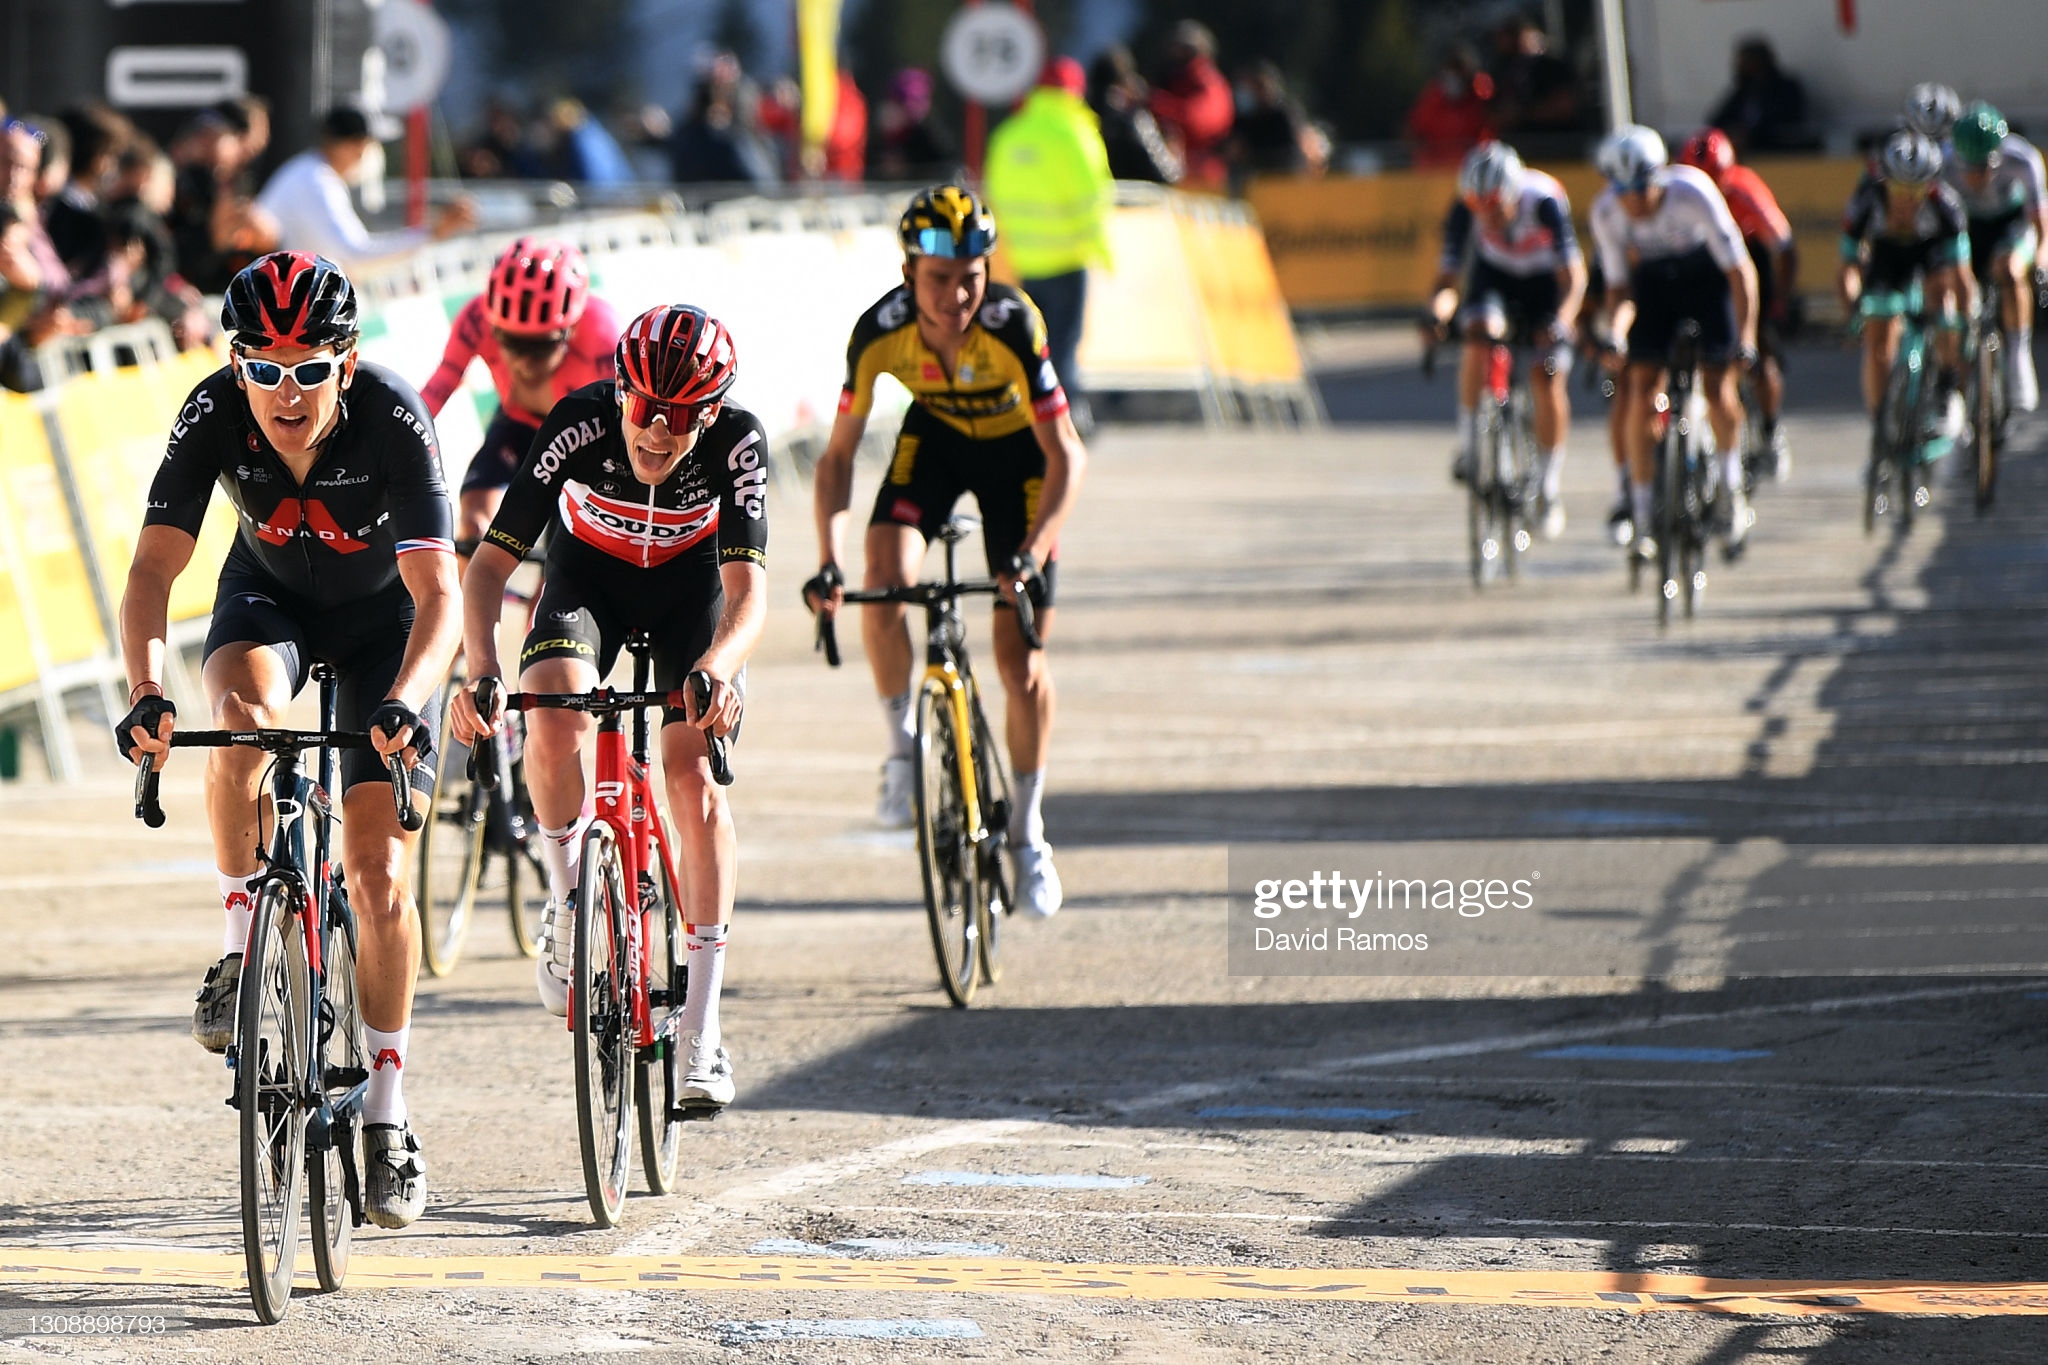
(1375, 241)
(52, 596)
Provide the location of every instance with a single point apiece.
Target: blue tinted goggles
(937, 241)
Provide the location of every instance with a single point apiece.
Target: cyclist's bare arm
(1571, 291)
(483, 602)
(429, 575)
(161, 554)
(1065, 462)
(833, 487)
(732, 643)
(1742, 283)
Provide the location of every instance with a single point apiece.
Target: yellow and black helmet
(947, 221)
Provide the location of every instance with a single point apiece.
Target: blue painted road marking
(1040, 1182)
(840, 1329)
(1274, 1111)
(1593, 1052)
(871, 1248)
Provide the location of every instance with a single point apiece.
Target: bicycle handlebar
(491, 699)
(148, 777)
(928, 594)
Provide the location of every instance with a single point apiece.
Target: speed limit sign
(992, 53)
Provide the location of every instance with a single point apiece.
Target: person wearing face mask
(342, 555)
(656, 488)
(309, 200)
(1453, 114)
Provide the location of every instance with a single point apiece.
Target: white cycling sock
(705, 960)
(1027, 820)
(1639, 503)
(1468, 429)
(1551, 462)
(384, 1102)
(1731, 468)
(561, 852)
(899, 713)
(238, 900)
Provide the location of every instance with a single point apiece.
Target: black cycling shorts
(1895, 264)
(588, 615)
(1770, 340)
(934, 464)
(1667, 293)
(506, 441)
(1527, 303)
(364, 641)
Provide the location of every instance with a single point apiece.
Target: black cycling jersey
(711, 510)
(375, 492)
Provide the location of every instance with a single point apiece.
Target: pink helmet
(538, 285)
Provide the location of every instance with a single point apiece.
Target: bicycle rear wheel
(448, 861)
(945, 853)
(992, 905)
(658, 1070)
(334, 1189)
(1667, 516)
(1987, 421)
(271, 1059)
(600, 1011)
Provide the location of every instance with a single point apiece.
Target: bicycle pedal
(694, 1113)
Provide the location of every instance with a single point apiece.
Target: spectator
(719, 142)
(248, 116)
(309, 198)
(1453, 114)
(1138, 149)
(645, 133)
(141, 197)
(1765, 111)
(844, 155)
(53, 166)
(1050, 189)
(1534, 91)
(502, 151)
(585, 152)
(72, 216)
(35, 301)
(216, 229)
(904, 143)
(1272, 135)
(1194, 103)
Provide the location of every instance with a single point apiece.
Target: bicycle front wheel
(448, 861)
(944, 842)
(526, 877)
(658, 1070)
(271, 1060)
(1987, 421)
(992, 905)
(601, 1014)
(334, 1177)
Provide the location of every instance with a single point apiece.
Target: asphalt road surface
(1123, 1153)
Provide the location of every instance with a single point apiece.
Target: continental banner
(1374, 241)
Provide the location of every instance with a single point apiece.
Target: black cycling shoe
(213, 1018)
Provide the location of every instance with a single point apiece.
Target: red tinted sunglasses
(640, 410)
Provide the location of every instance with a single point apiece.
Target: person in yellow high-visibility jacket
(1048, 181)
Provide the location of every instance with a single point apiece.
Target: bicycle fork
(963, 749)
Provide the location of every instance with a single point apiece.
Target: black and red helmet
(678, 355)
(290, 298)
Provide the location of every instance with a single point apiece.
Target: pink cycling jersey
(591, 345)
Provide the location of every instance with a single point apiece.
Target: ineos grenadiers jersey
(2018, 183)
(712, 508)
(374, 493)
(1003, 380)
(1537, 240)
(1693, 216)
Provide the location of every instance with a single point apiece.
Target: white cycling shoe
(707, 1079)
(556, 965)
(1038, 885)
(893, 806)
(2026, 386)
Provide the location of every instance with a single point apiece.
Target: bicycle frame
(945, 662)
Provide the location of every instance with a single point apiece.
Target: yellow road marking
(1629, 1293)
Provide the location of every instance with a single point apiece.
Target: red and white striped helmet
(676, 354)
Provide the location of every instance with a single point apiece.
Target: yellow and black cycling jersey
(1004, 381)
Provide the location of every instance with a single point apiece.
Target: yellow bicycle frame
(945, 676)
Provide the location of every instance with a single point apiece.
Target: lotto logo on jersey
(309, 518)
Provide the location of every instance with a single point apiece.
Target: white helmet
(1490, 169)
(1909, 158)
(1932, 110)
(1630, 155)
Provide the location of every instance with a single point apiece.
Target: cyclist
(342, 555)
(1931, 111)
(655, 487)
(1998, 176)
(1671, 252)
(1768, 235)
(989, 416)
(1906, 222)
(1525, 283)
(543, 334)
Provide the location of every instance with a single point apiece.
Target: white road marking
(1935, 1092)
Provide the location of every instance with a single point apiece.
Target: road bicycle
(1685, 484)
(1501, 491)
(628, 982)
(962, 791)
(300, 1062)
(1901, 446)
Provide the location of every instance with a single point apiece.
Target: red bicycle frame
(625, 801)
